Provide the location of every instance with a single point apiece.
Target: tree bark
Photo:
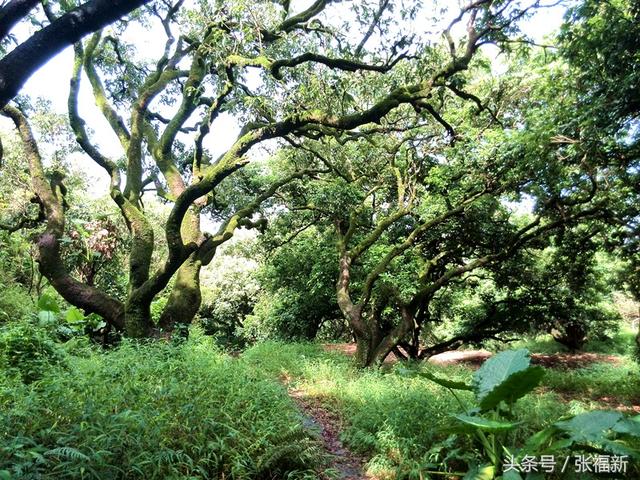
(49, 259)
(19, 64)
(185, 298)
(13, 12)
(138, 322)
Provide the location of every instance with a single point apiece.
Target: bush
(228, 299)
(15, 303)
(28, 351)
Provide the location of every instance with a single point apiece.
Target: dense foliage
(155, 411)
(256, 179)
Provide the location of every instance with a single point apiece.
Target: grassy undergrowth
(599, 383)
(396, 420)
(155, 411)
(616, 383)
(190, 411)
(620, 343)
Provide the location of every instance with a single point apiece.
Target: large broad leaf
(534, 476)
(618, 448)
(481, 472)
(590, 426)
(595, 427)
(48, 303)
(535, 443)
(628, 426)
(514, 387)
(74, 315)
(486, 424)
(511, 475)
(506, 376)
(47, 317)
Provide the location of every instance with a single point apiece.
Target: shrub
(27, 350)
(491, 421)
(15, 303)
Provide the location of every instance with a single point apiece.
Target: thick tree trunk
(373, 346)
(137, 320)
(364, 351)
(185, 298)
(49, 258)
(571, 335)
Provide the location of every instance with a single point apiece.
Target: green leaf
(48, 303)
(74, 315)
(511, 475)
(628, 426)
(534, 476)
(46, 316)
(486, 424)
(482, 472)
(618, 448)
(536, 441)
(100, 325)
(561, 444)
(589, 426)
(513, 388)
(506, 376)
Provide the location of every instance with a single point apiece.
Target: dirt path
(347, 465)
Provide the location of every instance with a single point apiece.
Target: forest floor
(375, 424)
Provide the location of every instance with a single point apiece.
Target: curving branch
(376, 19)
(334, 63)
(293, 22)
(22, 62)
(12, 13)
(102, 102)
(242, 216)
(50, 260)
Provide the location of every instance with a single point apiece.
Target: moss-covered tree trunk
(49, 257)
(185, 298)
(137, 320)
(373, 345)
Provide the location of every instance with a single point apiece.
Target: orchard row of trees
(380, 167)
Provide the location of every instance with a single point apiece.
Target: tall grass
(153, 411)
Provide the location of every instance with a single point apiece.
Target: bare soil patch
(474, 358)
